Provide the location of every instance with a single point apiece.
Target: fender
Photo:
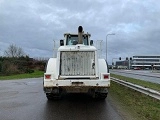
(51, 67)
(103, 68)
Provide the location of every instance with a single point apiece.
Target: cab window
(73, 40)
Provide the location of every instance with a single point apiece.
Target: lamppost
(106, 43)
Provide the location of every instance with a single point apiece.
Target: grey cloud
(34, 25)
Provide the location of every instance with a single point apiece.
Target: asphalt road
(25, 100)
(145, 75)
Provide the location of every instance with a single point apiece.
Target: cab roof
(77, 34)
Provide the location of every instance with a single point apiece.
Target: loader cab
(72, 39)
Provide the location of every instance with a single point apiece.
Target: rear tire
(103, 96)
(100, 96)
(52, 96)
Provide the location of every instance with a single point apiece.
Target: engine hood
(78, 47)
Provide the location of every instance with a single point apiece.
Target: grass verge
(137, 104)
(138, 82)
(22, 76)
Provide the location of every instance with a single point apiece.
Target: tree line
(15, 61)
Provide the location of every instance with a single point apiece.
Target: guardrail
(147, 91)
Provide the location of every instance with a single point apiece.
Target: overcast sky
(34, 24)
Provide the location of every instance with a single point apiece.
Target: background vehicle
(137, 68)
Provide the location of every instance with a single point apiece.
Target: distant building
(146, 62)
(122, 64)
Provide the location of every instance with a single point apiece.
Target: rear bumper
(76, 82)
(76, 86)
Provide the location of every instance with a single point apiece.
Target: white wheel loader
(76, 69)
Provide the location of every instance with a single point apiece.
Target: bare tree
(14, 51)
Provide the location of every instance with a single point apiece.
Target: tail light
(106, 76)
(47, 76)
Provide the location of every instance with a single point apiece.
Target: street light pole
(106, 43)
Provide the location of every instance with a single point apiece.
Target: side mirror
(91, 42)
(61, 42)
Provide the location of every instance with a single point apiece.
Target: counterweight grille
(77, 63)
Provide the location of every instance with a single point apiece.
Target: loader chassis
(76, 69)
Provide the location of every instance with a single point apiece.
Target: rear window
(73, 40)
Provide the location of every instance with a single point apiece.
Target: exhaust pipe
(80, 35)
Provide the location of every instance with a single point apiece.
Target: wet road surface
(25, 100)
(145, 75)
